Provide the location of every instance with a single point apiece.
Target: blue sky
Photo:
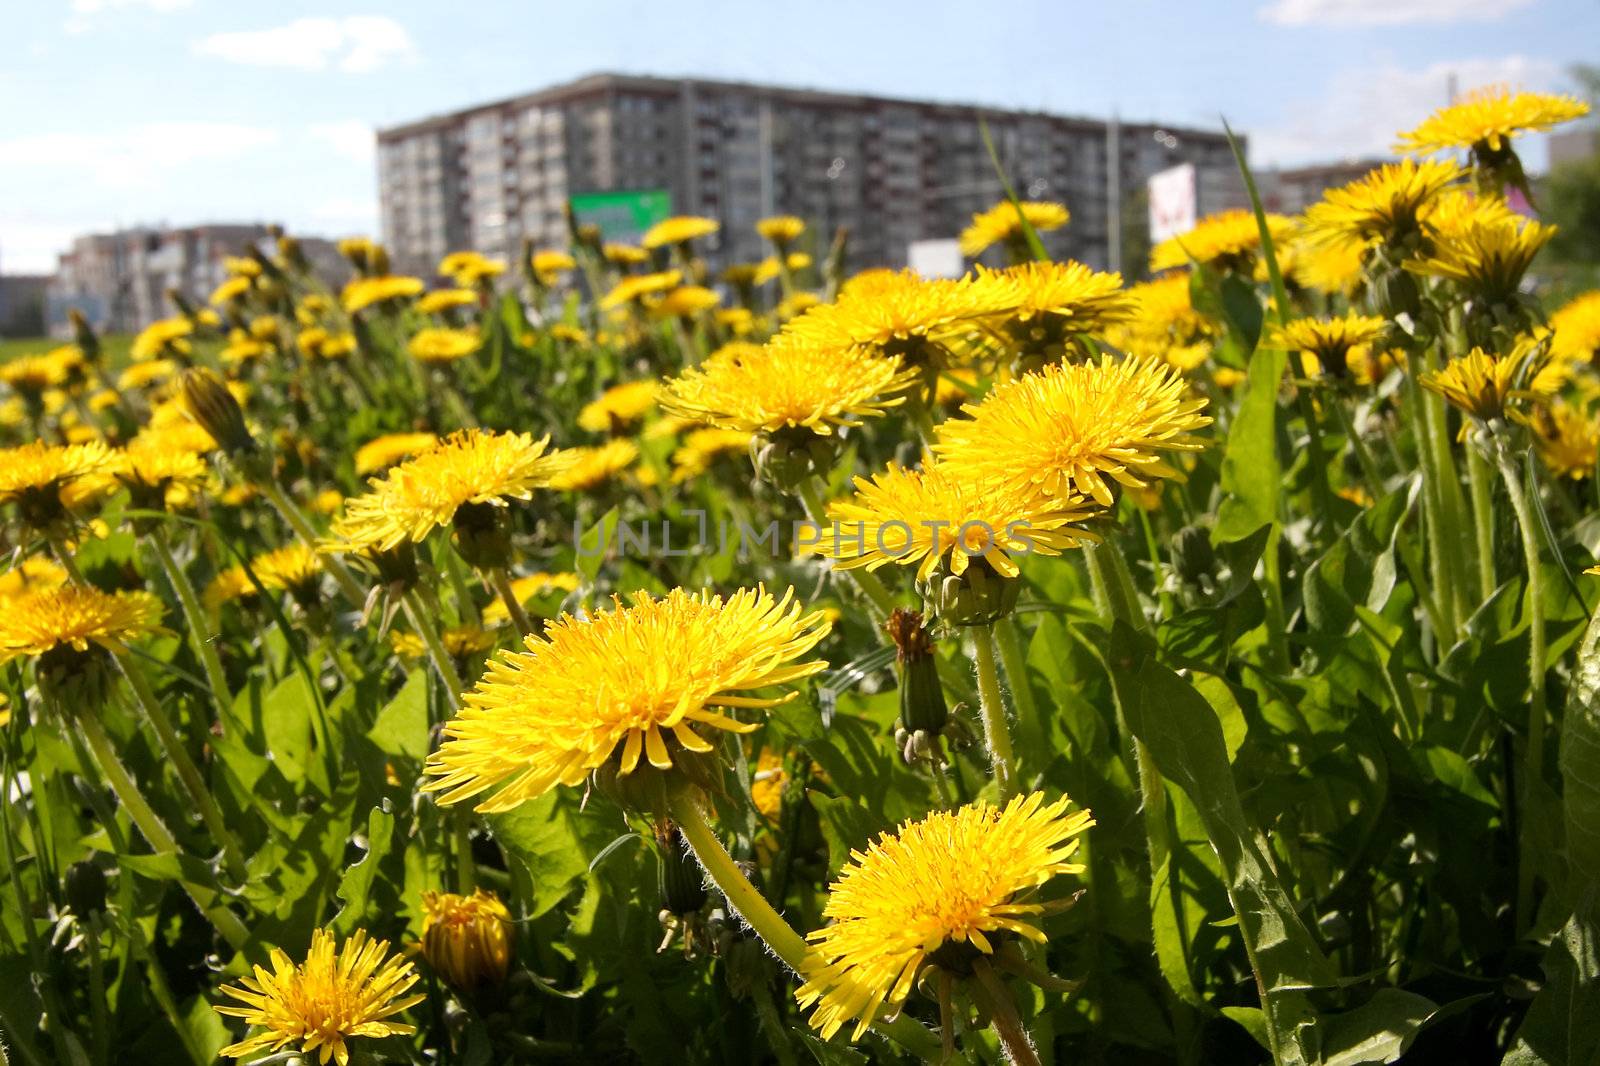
(115, 112)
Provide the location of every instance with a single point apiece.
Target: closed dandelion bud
(85, 885)
(922, 703)
(208, 401)
(84, 336)
(682, 883)
(467, 939)
(974, 598)
(481, 535)
(1192, 555)
(294, 256)
(1392, 291)
(791, 455)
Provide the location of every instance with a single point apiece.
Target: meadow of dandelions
(596, 658)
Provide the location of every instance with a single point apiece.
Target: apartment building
(891, 171)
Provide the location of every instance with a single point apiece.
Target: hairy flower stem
(1483, 522)
(302, 528)
(502, 587)
(1432, 499)
(774, 931)
(996, 1002)
(1533, 755)
(156, 834)
(200, 635)
(1015, 664)
(878, 597)
(188, 773)
(422, 621)
(992, 709)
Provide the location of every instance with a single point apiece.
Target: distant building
(891, 171)
(1293, 189)
(1574, 146)
(22, 301)
(120, 280)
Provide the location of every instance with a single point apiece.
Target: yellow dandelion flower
(443, 345)
(956, 881)
(548, 265)
(36, 572)
(1568, 440)
(638, 286)
(1164, 321)
(900, 314)
(1071, 427)
(788, 383)
(739, 321)
(620, 685)
(624, 255)
(1386, 204)
(45, 480)
(1044, 307)
(685, 301)
(618, 407)
(362, 293)
(31, 375)
(781, 230)
(42, 619)
(473, 467)
(294, 568)
(1229, 240)
(955, 387)
(338, 993)
(242, 348)
(702, 446)
(143, 375)
(592, 467)
(1333, 268)
(380, 453)
(231, 584)
(468, 268)
(1576, 328)
(234, 288)
(461, 642)
(936, 515)
(1330, 340)
(1487, 257)
(1483, 384)
(568, 334)
(797, 304)
(767, 784)
(440, 300)
(158, 472)
(528, 588)
(1490, 117)
(467, 939)
(1003, 222)
(680, 229)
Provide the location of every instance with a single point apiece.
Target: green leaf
(1253, 1021)
(1380, 1030)
(553, 841)
(1252, 475)
(846, 825)
(595, 544)
(1580, 761)
(1185, 739)
(401, 728)
(1559, 1028)
(356, 884)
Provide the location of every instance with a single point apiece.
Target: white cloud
(84, 11)
(356, 44)
(1361, 109)
(28, 246)
(134, 155)
(351, 139)
(1384, 12)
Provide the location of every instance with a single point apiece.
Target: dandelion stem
(188, 773)
(1016, 667)
(882, 603)
(992, 709)
(768, 924)
(1533, 755)
(297, 521)
(200, 634)
(502, 587)
(157, 835)
(1483, 522)
(422, 622)
(996, 1003)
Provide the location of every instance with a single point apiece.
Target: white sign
(1172, 202)
(936, 259)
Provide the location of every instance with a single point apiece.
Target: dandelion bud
(85, 885)
(84, 336)
(379, 260)
(208, 401)
(977, 597)
(467, 939)
(922, 704)
(682, 883)
(481, 536)
(791, 455)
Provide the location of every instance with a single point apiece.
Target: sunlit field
(595, 658)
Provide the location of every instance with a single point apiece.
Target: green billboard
(622, 214)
